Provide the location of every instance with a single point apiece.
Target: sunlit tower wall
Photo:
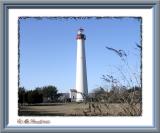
(81, 71)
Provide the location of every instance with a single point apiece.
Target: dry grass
(80, 109)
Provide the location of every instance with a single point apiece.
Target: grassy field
(79, 109)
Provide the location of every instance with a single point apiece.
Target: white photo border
(147, 61)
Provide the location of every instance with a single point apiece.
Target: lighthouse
(81, 71)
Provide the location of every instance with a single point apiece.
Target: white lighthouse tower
(81, 72)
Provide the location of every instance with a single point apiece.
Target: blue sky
(48, 50)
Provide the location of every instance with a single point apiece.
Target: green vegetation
(47, 93)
